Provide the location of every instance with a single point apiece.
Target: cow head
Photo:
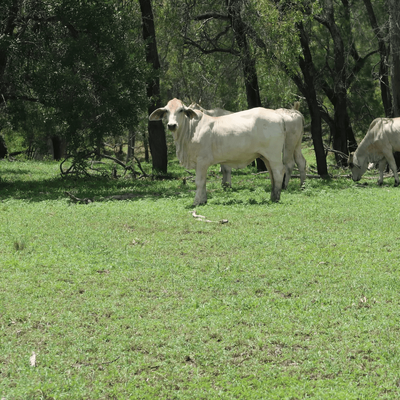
(357, 169)
(174, 113)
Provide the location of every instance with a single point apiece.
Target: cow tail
(284, 130)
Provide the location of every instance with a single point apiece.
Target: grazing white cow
(234, 140)
(294, 124)
(378, 145)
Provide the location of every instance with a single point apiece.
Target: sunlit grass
(138, 299)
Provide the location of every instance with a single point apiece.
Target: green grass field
(138, 299)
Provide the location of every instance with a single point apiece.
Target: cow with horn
(234, 140)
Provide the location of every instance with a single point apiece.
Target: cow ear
(158, 114)
(350, 160)
(190, 113)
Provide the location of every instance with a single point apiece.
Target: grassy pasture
(137, 299)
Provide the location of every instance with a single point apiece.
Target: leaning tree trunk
(157, 139)
(309, 92)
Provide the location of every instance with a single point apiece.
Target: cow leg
(288, 162)
(382, 167)
(392, 164)
(226, 176)
(276, 171)
(301, 164)
(201, 192)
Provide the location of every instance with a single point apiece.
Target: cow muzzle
(172, 127)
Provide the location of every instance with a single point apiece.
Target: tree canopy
(80, 69)
(71, 68)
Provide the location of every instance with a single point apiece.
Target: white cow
(294, 124)
(234, 140)
(378, 146)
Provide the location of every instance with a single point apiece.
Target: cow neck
(183, 138)
(364, 150)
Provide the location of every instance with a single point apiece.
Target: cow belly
(239, 154)
(238, 163)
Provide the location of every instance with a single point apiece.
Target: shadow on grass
(35, 187)
(41, 181)
(33, 181)
(96, 189)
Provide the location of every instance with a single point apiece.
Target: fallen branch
(85, 200)
(375, 176)
(68, 170)
(203, 218)
(100, 363)
(140, 167)
(123, 196)
(119, 162)
(339, 153)
(310, 176)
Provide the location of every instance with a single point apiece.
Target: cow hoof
(275, 199)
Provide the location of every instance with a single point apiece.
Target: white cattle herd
(207, 137)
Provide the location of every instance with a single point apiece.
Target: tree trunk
(309, 91)
(343, 135)
(343, 138)
(58, 144)
(384, 61)
(394, 33)
(131, 145)
(146, 147)
(157, 139)
(247, 60)
(3, 147)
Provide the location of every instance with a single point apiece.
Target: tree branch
(210, 51)
(212, 15)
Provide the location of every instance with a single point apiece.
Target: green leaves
(82, 61)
